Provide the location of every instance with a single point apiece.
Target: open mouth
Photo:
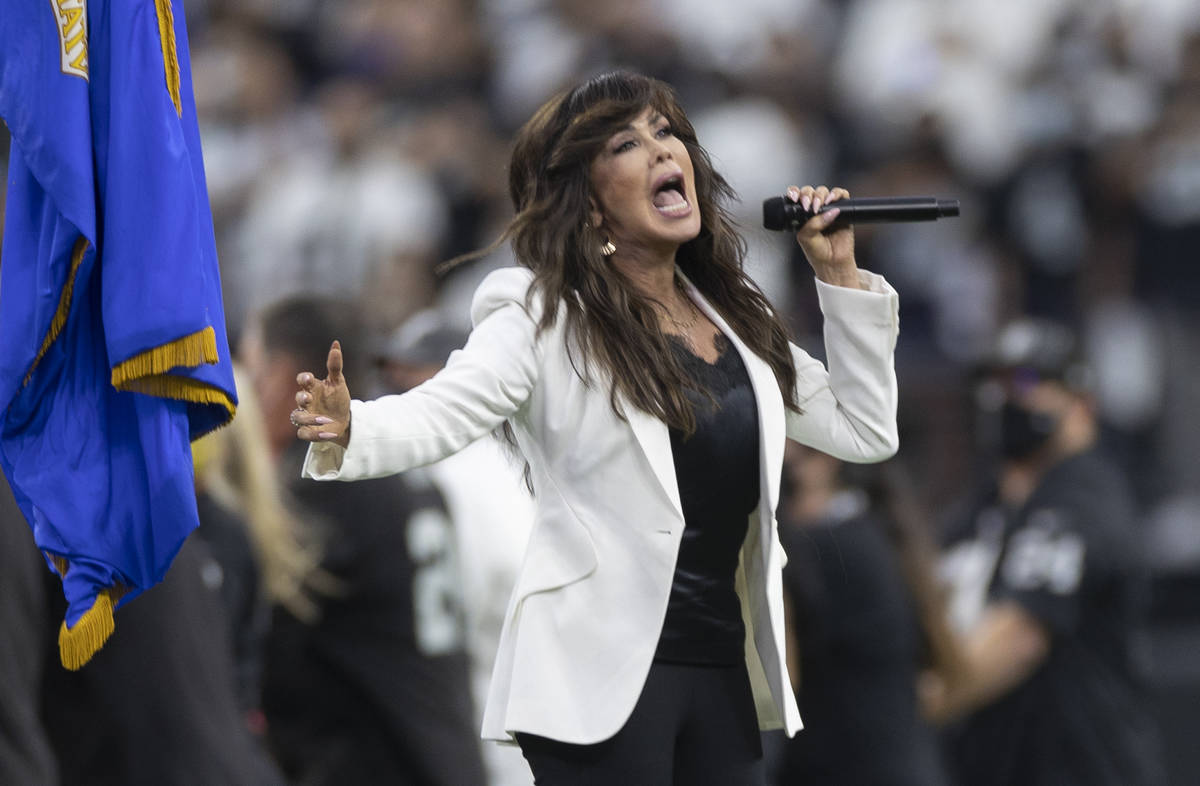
(668, 196)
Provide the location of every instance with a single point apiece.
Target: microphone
(782, 214)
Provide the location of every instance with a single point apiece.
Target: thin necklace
(693, 314)
(685, 325)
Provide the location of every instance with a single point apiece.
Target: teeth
(669, 200)
(678, 207)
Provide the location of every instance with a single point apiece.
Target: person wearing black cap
(1046, 586)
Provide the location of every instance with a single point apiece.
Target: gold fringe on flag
(147, 372)
(64, 306)
(77, 644)
(166, 38)
(192, 350)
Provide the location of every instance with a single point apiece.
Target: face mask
(1023, 431)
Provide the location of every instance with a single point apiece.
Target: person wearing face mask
(649, 386)
(1046, 586)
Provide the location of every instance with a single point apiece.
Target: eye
(665, 131)
(626, 145)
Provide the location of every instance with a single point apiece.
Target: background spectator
(375, 687)
(866, 617)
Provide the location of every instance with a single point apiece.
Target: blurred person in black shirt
(25, 753)
(265, 554)
(864, 618)
(376, 688)
(1047, 587)
(155, 706)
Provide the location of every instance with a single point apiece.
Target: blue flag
(115, 355)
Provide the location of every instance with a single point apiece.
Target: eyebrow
(654, 118)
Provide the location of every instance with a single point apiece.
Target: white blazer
(584, 618)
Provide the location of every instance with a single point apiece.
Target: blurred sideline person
(155, 706)
(375, 688)
(865, 619)
(265, 555)
(25, 752)
(490, 508)
(1048, 588)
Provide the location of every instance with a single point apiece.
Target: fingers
(835, 194)
(310, 427)
(301, 418)
(314, 426)
(306, 381)
(813, 197)
(315, 434)
(309, 383)
(333, 363)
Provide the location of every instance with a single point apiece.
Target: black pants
(692, 726)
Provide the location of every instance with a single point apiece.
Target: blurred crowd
(353, 146)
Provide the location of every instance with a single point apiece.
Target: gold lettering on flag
(71, 16)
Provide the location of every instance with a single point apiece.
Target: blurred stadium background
(351, 145)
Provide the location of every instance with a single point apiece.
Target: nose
(660, 149)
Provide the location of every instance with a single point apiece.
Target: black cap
(1049, 349)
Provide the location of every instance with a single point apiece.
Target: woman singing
(650, 387)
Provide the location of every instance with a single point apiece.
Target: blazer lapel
(771, 432)
(655, 441)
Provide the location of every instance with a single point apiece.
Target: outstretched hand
(830, 252)
(322, 411)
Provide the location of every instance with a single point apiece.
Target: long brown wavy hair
(610, 325)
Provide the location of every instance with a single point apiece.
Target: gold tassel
(64, 306)
(183, 389)
(147, 372)
(191, 350)
(77, 645)
(166, 38)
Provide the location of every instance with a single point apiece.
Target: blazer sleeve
(481, 386)
(849, 409)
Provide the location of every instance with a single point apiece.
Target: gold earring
(608, 249)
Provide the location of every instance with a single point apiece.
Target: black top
(1069, 558)
(716, 469)
(860, 653)
(236, 575)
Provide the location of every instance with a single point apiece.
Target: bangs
(595, 110)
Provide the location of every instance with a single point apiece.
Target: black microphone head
(775, 215)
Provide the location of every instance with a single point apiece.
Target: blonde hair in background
(233, 465)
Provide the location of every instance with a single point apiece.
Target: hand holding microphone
(829, 249)
(822, 219)
(781, 214)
